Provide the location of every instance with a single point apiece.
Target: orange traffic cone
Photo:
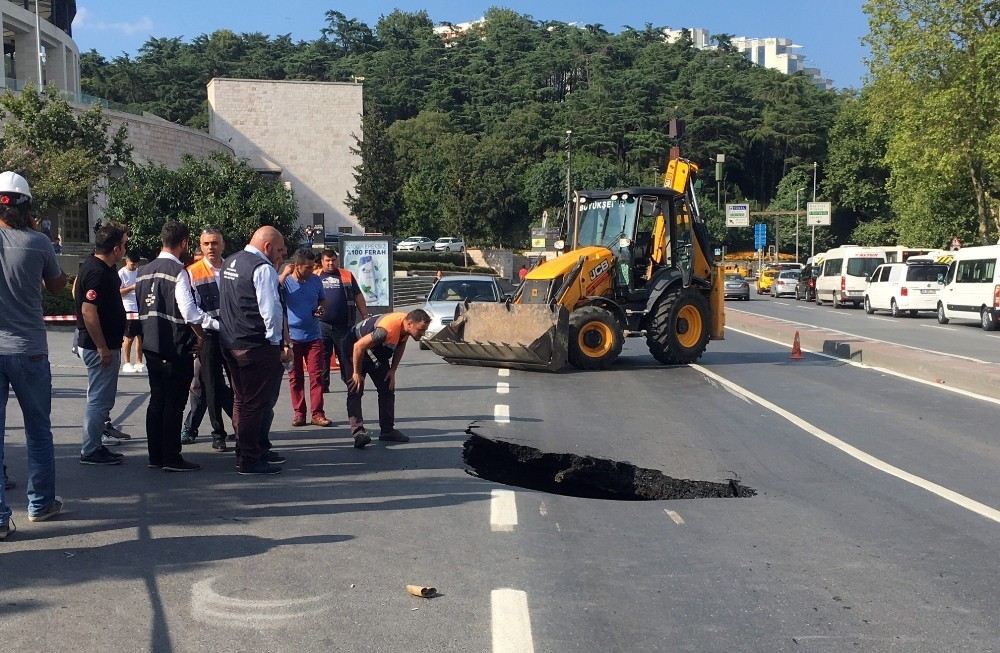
(796, 348)
(334, 363)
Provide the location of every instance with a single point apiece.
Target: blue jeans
(102, 387)
(31, 379)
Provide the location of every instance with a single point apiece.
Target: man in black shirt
(100, 321)
(344, 306)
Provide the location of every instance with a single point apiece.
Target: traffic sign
(760, 235)
(818, 214)
(737, 215)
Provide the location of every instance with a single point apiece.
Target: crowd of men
(214, 335)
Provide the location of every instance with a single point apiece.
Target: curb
(957, 373)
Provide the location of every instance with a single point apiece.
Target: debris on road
(422, 591)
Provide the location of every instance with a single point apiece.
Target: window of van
(925, 272)
(831, 267)
(976, 271)
(859, 267)
(883, 274)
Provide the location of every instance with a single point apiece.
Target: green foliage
(454, 258)
(217, 192)
(60, 303)
(64, 154)
(443, 267)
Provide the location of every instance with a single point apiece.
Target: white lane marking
(503, 388)
(938, 326)
(503, 511)
(501, 414)
(881, 370)
(676, 518)
(852, 451)
(870, 339)
(503, 372)
(543, 509)
(511, 622)
(211, 607)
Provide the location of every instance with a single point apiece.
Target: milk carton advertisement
(369, 258)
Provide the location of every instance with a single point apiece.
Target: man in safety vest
(376, 346)
(344, 306)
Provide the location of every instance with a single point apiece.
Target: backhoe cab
(639, 265)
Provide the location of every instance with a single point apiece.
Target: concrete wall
(304, 130)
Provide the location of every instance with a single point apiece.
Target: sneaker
(181, 465)
(115, 433)
(6, 528)
(361, 438)
(273, 457)
(219, 444)
(152, 465)
(394, 436)
(321, 420)
(101, 457)
(231, 437)
(128, 368)
(188, 438)
(109, 440)
(50, 511)
(259, 467)
(139, 368)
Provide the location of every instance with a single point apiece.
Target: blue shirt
(302, 299)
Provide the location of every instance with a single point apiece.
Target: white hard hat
(11, 182)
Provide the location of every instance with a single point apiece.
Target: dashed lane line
(948, 495)
(503, 372)
(511, 621)
(503, 511)
(501, 414)
(503, 388)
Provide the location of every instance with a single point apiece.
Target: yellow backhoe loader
(640, 265)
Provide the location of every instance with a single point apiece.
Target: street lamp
(569, 187)
(797, 191)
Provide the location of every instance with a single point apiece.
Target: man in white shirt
(133, 327)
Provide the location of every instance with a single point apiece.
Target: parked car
(737, 287)
(449, 245)
(785, 282)
(806, 287)
(415, 244)
(845, 270)
(765, 280)
(900, 287)
(447, 292)
(972, 287)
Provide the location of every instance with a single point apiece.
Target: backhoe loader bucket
(518, 336)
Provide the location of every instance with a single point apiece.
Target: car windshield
(456, 290)
(925, 272)
(734, 277)
(603, 222)
(860, 267)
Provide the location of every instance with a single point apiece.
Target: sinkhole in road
(585, 476)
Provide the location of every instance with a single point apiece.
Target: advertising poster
(369, 258)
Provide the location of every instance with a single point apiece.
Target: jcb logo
(600, 269)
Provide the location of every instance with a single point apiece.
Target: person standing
(171, 327)
(344, 303)
(133, 327)
(522, 273)
(212, 393)
(304, 299)
(27, 262)
(100, 324)
(252, 331)
(376, 346)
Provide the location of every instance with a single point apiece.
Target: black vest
(164, 330)
(240, 323)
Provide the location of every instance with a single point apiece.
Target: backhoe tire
(679, 327)
(595, 338)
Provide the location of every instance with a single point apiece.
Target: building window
(346, 230)
(75, 227)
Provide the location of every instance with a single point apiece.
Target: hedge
(60, 303)
(444, 267)
(455, 258)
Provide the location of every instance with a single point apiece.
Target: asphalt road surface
(874, 528)
(963, 340)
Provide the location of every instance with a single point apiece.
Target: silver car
(737, 287)
(785, 283)
(449, 291)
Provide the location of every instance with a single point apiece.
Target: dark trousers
(169, 380)
(333, 341)
(209, 391)
(376, 369)
(257, 376)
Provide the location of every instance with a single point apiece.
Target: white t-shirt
(128, 278)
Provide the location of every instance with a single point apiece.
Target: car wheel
(913, 313)
(868, 306)
(836, 302)
(893, 309)
(986, 319)
(942, 319)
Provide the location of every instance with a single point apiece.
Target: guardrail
(408, 291)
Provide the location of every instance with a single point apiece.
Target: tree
(217, 192)
(935, 90)
(377, 202)
(65, 155)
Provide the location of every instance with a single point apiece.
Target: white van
(905, 287)
(972, 287)
(845, 274)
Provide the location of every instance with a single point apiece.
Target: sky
(829, 31)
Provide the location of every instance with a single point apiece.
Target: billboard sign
(737, 215)
(369, 259)
(818, 214)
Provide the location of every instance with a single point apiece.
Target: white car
(972, 287)
(446, 294)
(415, 244)
(449, 245)
(905, 287)
(785, 282)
